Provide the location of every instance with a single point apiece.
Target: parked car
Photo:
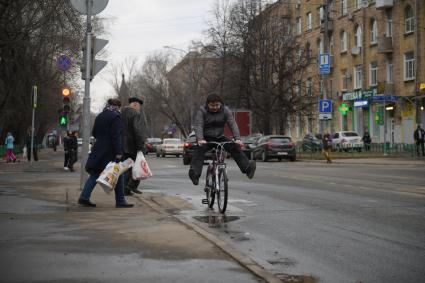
(151, 144)
(274, 146)
(312, 142)
(249, 144)
(189, 147)
(170, 147)
(347, 140)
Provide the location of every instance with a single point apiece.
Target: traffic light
(66, 101)
(63, 119)
(344, 109)
(97, 44)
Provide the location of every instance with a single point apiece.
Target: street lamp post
(189, 84)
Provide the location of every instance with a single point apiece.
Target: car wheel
(163, 155)
(293, 158)
(157, 154)
(177, 155)
(264, 156)
(279, 159)
(359, 149)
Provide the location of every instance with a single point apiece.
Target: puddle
(215, 221)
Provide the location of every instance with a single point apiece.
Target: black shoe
(86, 203)
(193, 177)
(124, 205)
(128, 193)
(136, 191)
(251, 169)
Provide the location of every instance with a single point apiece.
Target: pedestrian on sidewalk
(73, 150)
(67, 149)
(327, 146)
(419, 136)
(10, 157)
(31, 144)
(134, 136)
(107, 130)
(367, 140)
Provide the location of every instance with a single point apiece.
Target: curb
(244, 260)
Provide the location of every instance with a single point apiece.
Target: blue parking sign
(325, 106)
(324, 63)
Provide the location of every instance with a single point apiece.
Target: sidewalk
(47, 237)
(373, 161)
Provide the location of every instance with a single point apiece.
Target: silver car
(170, 147)
(347, 140)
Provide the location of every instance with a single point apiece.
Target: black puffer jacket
(134, 133)
(209, 125)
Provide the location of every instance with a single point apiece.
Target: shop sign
(367, 93)
(361, 103)
(392, 98)
(352, 95)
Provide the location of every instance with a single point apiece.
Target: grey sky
(139, 27)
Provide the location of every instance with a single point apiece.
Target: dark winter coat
(107, 130)
(210, 125)
(366, 138)
(416, 135)
(134, 134)
(327, 141)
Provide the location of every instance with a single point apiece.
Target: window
(309, 51)
(308, 21)
(320, 15)
(373, 79)
(409, 66)
(373, 32)
(408, 20)
(358, 4)
(343, 36)
(320, 46)
(331, 44)
(308, 86)
(345, 78)
(358, 77)
(389, 30)
(343, 7)
(389, 70)
(358, 36)
(299, 29)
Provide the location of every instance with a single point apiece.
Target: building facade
(377, 65)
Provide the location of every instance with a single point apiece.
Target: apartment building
(377, 51)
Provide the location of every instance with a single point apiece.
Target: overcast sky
(139, 27)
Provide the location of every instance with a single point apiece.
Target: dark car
(274, 147)
(249, 144)
(189, 147)
(312, 142)
(151, 143)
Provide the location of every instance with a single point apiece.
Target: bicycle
(216, 179)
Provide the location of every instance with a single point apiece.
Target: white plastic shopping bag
(141, 170)
(109, 177)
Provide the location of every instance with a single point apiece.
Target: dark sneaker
(136, 191)
(86, 203)
(193, 177)
(251, 169)
(124, 205)
(128, 193)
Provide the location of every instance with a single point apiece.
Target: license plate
(282, 153)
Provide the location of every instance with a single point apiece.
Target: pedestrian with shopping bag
(107, 130)
(141, 170)
(134, 136)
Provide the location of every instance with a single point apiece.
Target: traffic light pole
(86, 100)
(34, 105)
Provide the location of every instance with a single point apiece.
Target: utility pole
(326, 51)
(34, 106)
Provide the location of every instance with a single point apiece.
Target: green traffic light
(62, 121)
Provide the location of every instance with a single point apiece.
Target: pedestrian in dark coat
(367, 140)
(419, 136)
(327, 146)
(134, 140)
(67, 149)
(107, 130)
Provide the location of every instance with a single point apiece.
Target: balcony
(384, 4)
(385, 44)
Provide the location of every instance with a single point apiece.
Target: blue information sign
(324, 63)
(325, 106)
(64, 62)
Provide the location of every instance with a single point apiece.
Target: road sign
(324, 63)
(64, 62)
(97, 6)
(325, 116)
(325, 106)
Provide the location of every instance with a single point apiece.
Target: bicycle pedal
(204, 201)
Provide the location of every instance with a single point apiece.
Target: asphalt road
(337, 222)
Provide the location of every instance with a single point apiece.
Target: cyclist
(209, 126)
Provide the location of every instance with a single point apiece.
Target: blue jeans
(91, 183)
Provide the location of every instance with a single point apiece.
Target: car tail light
(291, 144)
(187, 144)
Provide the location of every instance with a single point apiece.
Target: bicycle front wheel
(222, 192)
(210, 187)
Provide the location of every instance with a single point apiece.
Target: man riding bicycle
(209, 127)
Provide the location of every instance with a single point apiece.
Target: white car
(170, 147)
(347, 140)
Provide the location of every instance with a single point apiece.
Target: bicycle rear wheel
(210, 187)
(222, 192)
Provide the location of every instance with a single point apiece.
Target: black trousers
(420, 143)
(35, 154)
(129, 183)
(234, 149)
